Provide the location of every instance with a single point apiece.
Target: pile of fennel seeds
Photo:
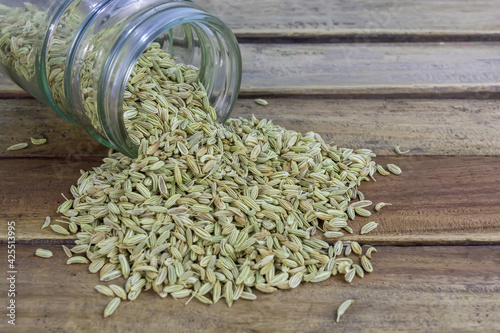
(209, 210)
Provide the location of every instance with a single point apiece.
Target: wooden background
(424, 75)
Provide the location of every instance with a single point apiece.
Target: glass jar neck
(110, 43)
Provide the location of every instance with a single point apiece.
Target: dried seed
(349, 276)
(369, 252)
(67, 251)
(261, 101)
(380, 205)
(382, 171)
(46, 223)
(362, 212)
(399, 151)
(118, 291)
(18, 146)
(366, 264)
(38, 141)
(343, 307)
(43, 253)
(112, 306)
(77, 260)
(394, 169)
(356, 248)
(370, 226)
(106, 291)
(60, 230)
(333, 234)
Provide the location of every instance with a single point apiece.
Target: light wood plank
(365, 70)
(437, 200)
(426, 127)
(370, 69)
(358, 19)
(413, 289)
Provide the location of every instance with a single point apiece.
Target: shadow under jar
(77, 56)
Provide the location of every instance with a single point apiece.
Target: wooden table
(424, 75)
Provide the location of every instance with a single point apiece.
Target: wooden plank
(370, 69)
(365, 70)
(26, 118)
(414, 289)
(426, 127)
(437, 200)
(359, 19)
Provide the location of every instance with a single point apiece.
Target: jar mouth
(209, 45)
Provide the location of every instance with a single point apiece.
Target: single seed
(369, 252)
(380, 205)
(370, 226)
(366, 264)
(399, 151)
(18, 146)
(343, 307)
(105, 290)
(67, 251)
(43, 253)
(394, 169)
(60, 230)
(77, 260)
(112, 306)
(46, 223)
(261, 101)
(38, 141)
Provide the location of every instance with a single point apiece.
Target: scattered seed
(46, 223)
(18, 146)
(67, 251)
(261, 101)
(343, 307)
(394, 169)
(43, 253)
(38, 141)
(112, 306)
(399, 152)
(380, 205)
(370, 226)
(369, 252)
(366, 264)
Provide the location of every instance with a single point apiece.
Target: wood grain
(363, 20)
(426, 127)
(437, 200)
(365, 70)
(413, 289)
(26, 118)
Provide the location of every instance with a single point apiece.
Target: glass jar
(76, 56)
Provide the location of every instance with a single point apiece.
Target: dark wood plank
(359, 19)
(365, 70)
(437, 200)
(414, 289)
(426, 127)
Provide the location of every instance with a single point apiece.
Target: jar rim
(141, 32)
